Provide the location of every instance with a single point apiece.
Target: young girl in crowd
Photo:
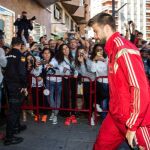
(54, 84)
(37, 85)
(64, 59)
(100, 67)
(39, 72)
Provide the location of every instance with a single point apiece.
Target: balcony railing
(104, 1)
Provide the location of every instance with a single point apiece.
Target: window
(67, 20)
(81, 3)
(38, 31)
(72, 27)
(1, 24)
(57, 12)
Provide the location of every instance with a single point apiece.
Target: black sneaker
(21, 128)
(13, 140)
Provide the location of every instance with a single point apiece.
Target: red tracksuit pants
(112, 134)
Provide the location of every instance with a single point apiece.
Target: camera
(71, 36)
(43, 62)
(33, 18)
(129, 22)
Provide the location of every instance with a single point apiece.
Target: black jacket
(23, 24)
(15, 72)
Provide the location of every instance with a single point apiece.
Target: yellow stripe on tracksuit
(133, 81)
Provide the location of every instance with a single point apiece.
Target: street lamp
(113, 8)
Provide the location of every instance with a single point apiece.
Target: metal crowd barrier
(77, 95)
(72, 98)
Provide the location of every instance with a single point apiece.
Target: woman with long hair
(83, 65)
(65, 59)
(100, 68)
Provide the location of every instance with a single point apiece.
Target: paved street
(41, 136)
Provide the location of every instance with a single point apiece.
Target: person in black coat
(15, 79)
(23, 24)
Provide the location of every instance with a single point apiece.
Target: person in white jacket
(100, 67)
(83, 65)
(54, 84)
(3, 63)
(65, 59)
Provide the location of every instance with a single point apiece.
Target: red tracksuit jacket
(129, 95)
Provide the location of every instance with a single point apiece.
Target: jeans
(104, 105)
(55, 94)
(103, 97)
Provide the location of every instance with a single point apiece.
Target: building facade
(15, 7)
(61, 21)
(137, 15)
(95, 7)
(80, 12)
(53, 17)
(135, 10)
(107, 7)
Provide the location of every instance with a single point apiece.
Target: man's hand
(48, 66)
(24, 90)
(130, 135)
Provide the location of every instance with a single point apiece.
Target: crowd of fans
(69, 55)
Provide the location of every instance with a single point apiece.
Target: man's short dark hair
(103, 19)
(140, 33)
(24, 12)
(16, 41)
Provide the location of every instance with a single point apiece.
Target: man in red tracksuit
(129, 108)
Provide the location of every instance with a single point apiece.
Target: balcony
(71, 6)
(108, 2)
(104, 1)
(148, 24)
(46, 3)
(148, 1)
(147, 16)
(79, 15)
(147, 10)
(108, 7)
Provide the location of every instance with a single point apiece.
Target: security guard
(15, 79)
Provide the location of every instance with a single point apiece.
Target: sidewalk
(45, 136)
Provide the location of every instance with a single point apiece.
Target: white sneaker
(98, 108)
(52, 116)
(92, 121)
(54, 120)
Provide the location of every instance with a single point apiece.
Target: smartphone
(71, 36)
(98, 54)
(27, 45)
